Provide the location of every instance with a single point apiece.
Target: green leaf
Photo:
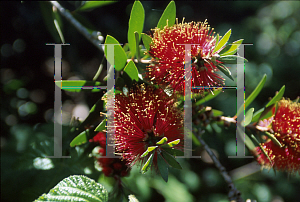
(209, 97)
(93, 4)
(277, 97)
(169, 14)
(249, 143)
(76, 85)
(225, 71)
(253, 95)
(119, 53)
(76, 188)
(248, 117)
(173, 152)
(146, 41)
(231, 49)
(101, 126)
(136, 24)
(171, 160)
(263, 113)
(231, 59)
(217, 112)
(273, 138)
(223, 41)
(162, 141)
(148, 164)
(173, 143)
(132, 71)
(80, 139)
(149, 149)
(163, 167)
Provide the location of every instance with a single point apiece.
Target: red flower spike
(100, 138)
(285, 125)
(169, 56)
(108, 171)
(142, 118)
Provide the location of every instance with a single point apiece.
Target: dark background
(27, 91)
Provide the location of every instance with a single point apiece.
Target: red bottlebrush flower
(100, 138)
(282, 158)
(142, 118)
(169, 56)
(285, 126)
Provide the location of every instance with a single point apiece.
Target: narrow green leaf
(223, 41)
(76, 85)
(171, 160)
(148, 164)
(263, 113)
(101, 126)
(273, 138)
(120, 55)
(136, 24)
(93, 4)
(173, 143)
(249, 143)
(80, 139)
(231, 49)
(173, 152)
(162, 141)
(248, 117)
(163, 167)
(169, 15)
(277, 97)
(257, 114)
(225, 71)
(146, 41)
(132, 71)
(209, 97)
(150, 149)
(231, 59)
(76, 188)
(145, 154)
(253, 95)
(217, 112)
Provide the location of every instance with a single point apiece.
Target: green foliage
(168, 17)
(80, 139)
(121, 58)
(148, 164)
(76, 188)
(89, 5)
(231, 49)
(101, 126)
(225, 71)
(132, 71)
(136, 24)
(248, 117)
(223, 41)
(76, 85)
(146, 41)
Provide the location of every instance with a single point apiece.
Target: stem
(234, 194)
(77, 25)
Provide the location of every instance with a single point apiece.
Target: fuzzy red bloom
(169, 56)
(286, 128)
(142, 118)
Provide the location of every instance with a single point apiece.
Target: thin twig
(234, 194)
(77, 25)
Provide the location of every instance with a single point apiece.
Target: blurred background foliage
(27, 96)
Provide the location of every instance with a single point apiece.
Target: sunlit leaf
(223, 41)
(162, 141)
(231, 59)
(77, 85)
(136, 24)
(173, 152)
(119, 53)
(101, 126)
(231, 49)
(146, 41)
(80, 139)
(277, 97)
(148, 164)
(169, 15)
(273, 138)
(132, 71)
(76, 188)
